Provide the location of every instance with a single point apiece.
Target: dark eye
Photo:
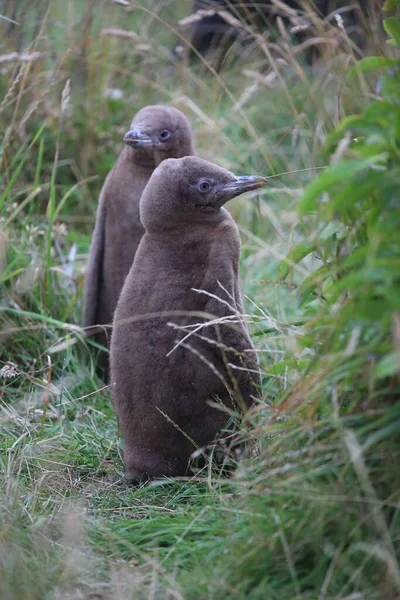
(204, 186)
(164, 135)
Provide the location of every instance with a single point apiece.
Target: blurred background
(263, 85)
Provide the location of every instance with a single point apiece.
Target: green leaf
(345, 124)
(387, 366)
(392, 27)
(389, 4)
(337, 173)
(295, 255)
(350, 194)
(373, 62)
(392, 297)
(309, 288)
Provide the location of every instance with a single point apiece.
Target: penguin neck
(187, 231)
(144, 160)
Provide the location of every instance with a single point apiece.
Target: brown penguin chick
(156, 133)
(169, 358)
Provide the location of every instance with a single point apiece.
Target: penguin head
(159, 132)
(190, 191)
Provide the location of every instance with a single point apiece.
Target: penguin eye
(164, 135)
(204, 186)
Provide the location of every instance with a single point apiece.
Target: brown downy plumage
(185, 272)
(156, 133)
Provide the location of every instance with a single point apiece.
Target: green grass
(313, 512)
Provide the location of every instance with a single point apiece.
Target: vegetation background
(314, 512)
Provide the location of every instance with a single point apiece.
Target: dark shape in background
(214, 34)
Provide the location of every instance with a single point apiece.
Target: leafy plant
(352, 215)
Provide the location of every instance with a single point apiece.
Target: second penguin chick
(156, 133)
(179, 342)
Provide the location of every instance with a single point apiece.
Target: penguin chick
(156, 133)
(179, 339)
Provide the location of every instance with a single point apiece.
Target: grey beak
(137, 139)
(243, 184)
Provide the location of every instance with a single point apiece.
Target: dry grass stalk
(119, 33)
(12, 89)
(22, 57)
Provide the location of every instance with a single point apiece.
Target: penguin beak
(136, 139)
(241, 185)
